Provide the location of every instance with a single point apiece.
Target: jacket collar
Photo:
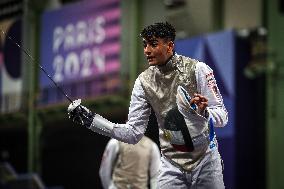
(170, 65)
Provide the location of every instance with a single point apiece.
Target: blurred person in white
(128, 166)
(187, 103)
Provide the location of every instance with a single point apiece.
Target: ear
(171, 46)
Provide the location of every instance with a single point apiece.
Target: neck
(169, 65)
(167, 61)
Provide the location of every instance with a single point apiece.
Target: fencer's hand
(200, 101)
(80, 114)
(196, 104)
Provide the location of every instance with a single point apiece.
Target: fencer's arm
(154, 166)
(207, 86)
(132, 131)
(138, 117)
(108, 162)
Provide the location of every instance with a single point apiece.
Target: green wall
(275, 94)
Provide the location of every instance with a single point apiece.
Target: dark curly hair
(162, 30)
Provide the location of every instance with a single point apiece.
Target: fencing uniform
(189, 152)
(130, 166)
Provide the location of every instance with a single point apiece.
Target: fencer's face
(157, 50)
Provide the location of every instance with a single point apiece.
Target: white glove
(80, 114)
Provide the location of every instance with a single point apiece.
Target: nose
(147, 50)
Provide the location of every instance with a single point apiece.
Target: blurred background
(92, 50)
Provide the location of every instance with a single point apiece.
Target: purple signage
(80, 41)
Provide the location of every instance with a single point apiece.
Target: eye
(144, 44)
(154, 44)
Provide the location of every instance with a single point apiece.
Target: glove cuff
(101, 125)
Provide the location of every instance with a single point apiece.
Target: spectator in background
(128, 166)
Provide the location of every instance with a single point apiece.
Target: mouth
(150, 58)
